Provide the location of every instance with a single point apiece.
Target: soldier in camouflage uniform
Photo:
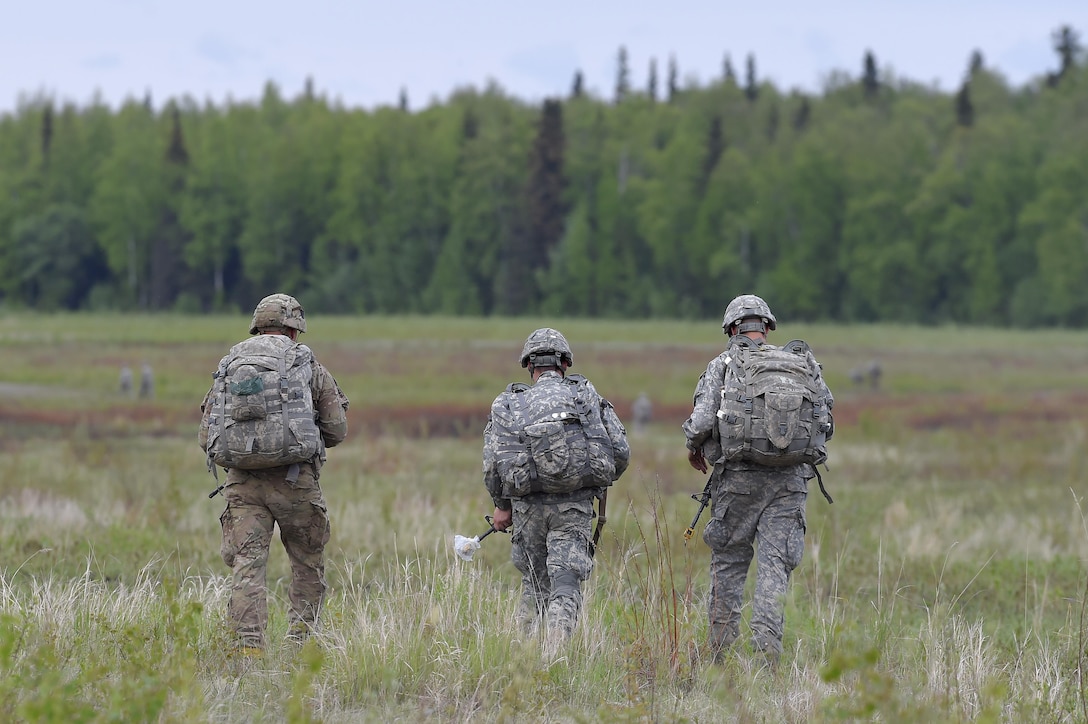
(755, 508)
(259, 499)
(551, 543)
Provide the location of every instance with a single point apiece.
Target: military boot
(768, 651)
(720, 639)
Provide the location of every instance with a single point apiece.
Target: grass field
(947, 582)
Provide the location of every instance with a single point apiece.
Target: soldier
(147, 382)
(550, 448)
(873, 371)
(753, 501)
(124, 383)
(240, 419)
(642, 410)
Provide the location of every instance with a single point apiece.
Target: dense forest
(877, 199)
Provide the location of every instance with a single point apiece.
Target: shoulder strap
(797, 346)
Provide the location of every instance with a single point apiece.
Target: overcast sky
(363, 53)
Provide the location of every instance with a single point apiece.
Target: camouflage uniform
(751, 503)
(551, 542)
(259, 499)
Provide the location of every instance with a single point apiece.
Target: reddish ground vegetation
(926, 413)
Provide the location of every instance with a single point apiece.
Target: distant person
(641, 411)
(874, 371)
(858, 376)
(147, 382)
(550, 448)
(124, 384)
(270, 414)
(759, 424)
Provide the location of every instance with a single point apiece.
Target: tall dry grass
(946, 583)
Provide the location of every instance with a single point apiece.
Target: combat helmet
(546, 347)
(748, 305)
(278, 310)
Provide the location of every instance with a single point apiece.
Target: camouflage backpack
(551, 438)
(773, 411)
(262, 407)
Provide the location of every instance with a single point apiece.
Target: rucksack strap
(285, 387)
(523, 441)
(221, 384)
(820, 480)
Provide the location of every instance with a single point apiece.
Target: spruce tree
(803, 114)
(728, 74)
(674, 80)
(528, 252)
(975, 64)
(176, 153)
(1067, 46)
(965, 111)
(577, 88)
(751, 87)
(870, 80)
(651, 84)
(715, 146)
(47, 132)
(623, 76)
(773, 121)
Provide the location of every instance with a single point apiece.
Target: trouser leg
(247, 533)
(780, 547)
(304, 533)
(569, 565)
(529, 553)
(729, 563)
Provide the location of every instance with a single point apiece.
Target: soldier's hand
(696, 460)
(501, 519)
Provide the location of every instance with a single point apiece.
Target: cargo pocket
(319, 531)
(783, 414)
(548, 442)
(715, 534)
(246, 400)
(795, 543)
(228, 550)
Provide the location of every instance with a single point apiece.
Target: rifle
(703, 499)
(601, 519)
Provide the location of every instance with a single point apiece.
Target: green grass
(946, 583)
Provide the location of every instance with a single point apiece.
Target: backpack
(262, 407)
(551, 438)
(773, 411)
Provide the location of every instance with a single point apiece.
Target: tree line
(877, 199)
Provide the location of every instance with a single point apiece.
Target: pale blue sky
(363, 53)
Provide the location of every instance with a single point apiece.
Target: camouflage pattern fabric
(495, 457)
(550, 545)
(330, 405)
(757, 511)
(263, 411)
(257, 499)
(765, 508)
(700, 427)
